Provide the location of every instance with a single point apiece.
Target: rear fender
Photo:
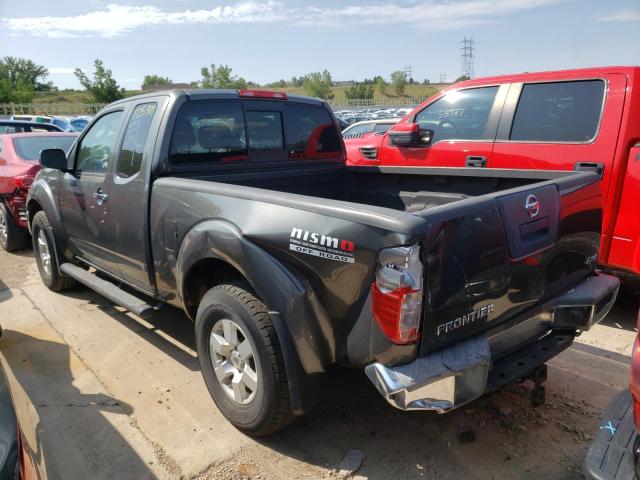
(290, 300)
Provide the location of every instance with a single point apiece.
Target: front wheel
(241, 360)
(45, 253)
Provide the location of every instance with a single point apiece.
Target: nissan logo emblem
(532, 205)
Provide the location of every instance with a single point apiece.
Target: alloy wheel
(4, 235)
(43, 251)
(233, 361)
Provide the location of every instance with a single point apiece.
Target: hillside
(81, 97)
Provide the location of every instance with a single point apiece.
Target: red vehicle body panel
(12, 166)
(355, 143)
(616, 146)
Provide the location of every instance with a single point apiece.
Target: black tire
(270, 408)
(15, 237)
(51, 276)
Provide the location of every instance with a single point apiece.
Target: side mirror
(54, 158)
(410, 135)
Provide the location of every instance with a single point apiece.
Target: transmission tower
(443, 78)
(408, 71)
(468, 46)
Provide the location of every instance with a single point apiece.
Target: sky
(353, 39)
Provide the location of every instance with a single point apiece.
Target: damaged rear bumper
(455, 375)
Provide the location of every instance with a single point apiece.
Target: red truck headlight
(397, 293)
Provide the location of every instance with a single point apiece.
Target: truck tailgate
(488, 259)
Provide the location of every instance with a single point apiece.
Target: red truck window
(459, 114)
(558, 111)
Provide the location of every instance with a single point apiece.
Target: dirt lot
(114, 396)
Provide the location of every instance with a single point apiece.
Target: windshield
(29, 148)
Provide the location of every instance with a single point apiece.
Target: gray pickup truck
(237, 207)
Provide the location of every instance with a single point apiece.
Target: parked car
(363, 139)
(614, 453)
(10, 468)
(15, 126)
(78, 124)
(237, 207)
(19, 155)
(587, 119)
(33, 118)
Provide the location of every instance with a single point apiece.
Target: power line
(468, 46)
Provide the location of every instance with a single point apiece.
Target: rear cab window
(135, 139)
(558, 112)
(239, 131)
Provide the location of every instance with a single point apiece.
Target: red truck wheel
(241, 360)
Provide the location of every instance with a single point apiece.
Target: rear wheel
(241, 360)
(12, 237)
(45, 253)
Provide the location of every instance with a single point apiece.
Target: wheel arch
(214, 252)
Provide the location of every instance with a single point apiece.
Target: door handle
(477, 161)
(597, 167)
(100, 197)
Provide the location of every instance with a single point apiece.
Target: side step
(107, 289)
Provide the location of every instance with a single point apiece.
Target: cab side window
(558, 111)
(459, 114)
(96, 147)
(135, 138)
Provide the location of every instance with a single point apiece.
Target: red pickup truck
(587, 119)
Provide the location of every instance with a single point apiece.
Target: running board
(107, 289)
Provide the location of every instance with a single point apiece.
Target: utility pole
(468, 46)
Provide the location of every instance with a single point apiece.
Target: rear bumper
(453, 376)
(613, 454)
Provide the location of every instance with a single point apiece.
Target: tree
(103, 88)
(359, 91)
(318, 84)
(426, 81)
(462, 78)
(279, 84)
(20, 78)
(381, 85)
(156, 80)
(399, 81)
(220, 77)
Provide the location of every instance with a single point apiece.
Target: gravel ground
(146, 374)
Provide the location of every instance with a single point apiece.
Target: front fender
(290, 299)
(43, 196)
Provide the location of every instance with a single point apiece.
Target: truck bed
(480, 247)
(398, 188)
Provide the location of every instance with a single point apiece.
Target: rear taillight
(634, 382)
(397, 293)
(23, 182)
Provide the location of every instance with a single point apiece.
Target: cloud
(621, 16)
(60, 70)
(116, 19)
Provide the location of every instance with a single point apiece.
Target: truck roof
(555, 74)
(210, 94)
